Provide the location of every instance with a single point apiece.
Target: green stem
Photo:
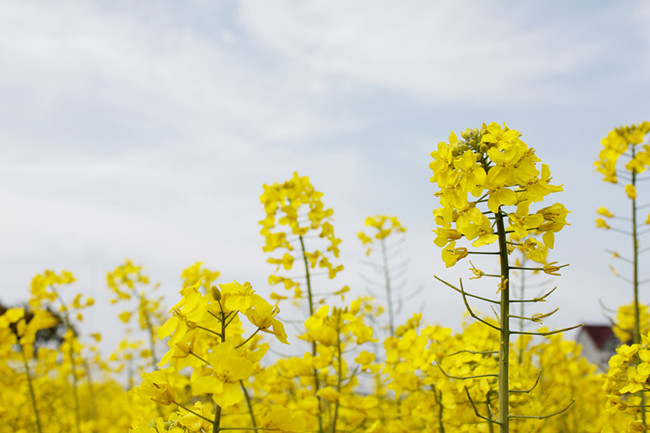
(130, 373)
(199, 358)
(217, 420)
(635, 271)
(248, 403)
(437, 396)
(75, 386)
(152, 341)
(504, 347)
(30, 385)
(488, 408)
(91, 390)
(521, 305)
(248, 339)
(75, 380)
(192, 412)
(217, 411)
(313, 344)
(307, 276)
(391, 317)
(339, 371)
(635, 281)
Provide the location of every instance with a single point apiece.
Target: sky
(145, 130)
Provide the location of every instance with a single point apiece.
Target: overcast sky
(145, 130)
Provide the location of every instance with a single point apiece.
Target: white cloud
(470, 52)
(156, 70)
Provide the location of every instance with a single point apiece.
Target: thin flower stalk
(381, 229)
(627, 141)
(492, 162)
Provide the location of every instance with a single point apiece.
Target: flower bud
(216, 294)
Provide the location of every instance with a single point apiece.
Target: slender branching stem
(30, 385)
(522, 289)
(150, 329)
(339, 370)
(307, 276)
(635, 280)
(216, 425)
(73, 369)
(489, 408)
(504, 346)
(193, 412)
(199, 358)
(91, 389)
(389, 298)
(313, 344)
(437, 395)
(248, 339)
(249, 403)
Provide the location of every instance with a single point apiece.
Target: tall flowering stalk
(295, 213)
(206, 334)
(340, 331)
(128, 281)
(624, 156)
(45, 291)
(16, 328)
(381, 228)
(488, 180)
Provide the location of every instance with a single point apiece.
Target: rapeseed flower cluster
(487, 182)
(491, 165)
(625, 156)
(618, 142)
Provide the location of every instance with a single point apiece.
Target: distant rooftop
(599, 334)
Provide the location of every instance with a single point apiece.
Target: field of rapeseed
(209, 362)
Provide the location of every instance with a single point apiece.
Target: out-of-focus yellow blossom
(602, 224)
(624, 328)
(42, 287)
(604, 212)
(383, 226)
(197, 273)
(329, 394)
(279, 418)
(619, 141)
(630, 190)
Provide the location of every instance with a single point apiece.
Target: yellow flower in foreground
(451, 254)
(630, 190)
(263, 316)
(155, 386)
(229, 368)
